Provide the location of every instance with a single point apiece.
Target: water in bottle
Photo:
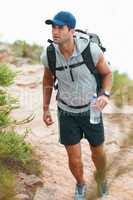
(94, 112)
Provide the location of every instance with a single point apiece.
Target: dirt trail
(58, 181)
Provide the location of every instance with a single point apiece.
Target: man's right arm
(48, 83)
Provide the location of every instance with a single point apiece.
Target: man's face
(61, 34)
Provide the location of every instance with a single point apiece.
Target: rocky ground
(57, 182)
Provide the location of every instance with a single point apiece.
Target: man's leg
(99, 159)
(75, 162)
(76, 167)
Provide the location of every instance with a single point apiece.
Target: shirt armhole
(44, 59)
(95, 52)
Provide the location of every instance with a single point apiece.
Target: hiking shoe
(102, 189)
(80, 192)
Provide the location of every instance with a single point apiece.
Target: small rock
(22, 175)
(32, 180)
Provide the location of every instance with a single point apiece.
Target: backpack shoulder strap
(87, 57)
(51, 58)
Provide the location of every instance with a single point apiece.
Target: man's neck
(67, 49)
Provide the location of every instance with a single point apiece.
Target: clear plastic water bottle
(94, 112)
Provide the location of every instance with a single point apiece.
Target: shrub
(13, 147)
(15, 153)
(25, 50)
(6, 75)
(122, 89)
(7, 183)
(18, 154)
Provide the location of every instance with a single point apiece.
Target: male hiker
(76, 86)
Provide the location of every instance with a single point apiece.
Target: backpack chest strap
(61, 68)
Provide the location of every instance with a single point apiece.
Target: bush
(119, 80)
(7, 183)
(130, 94)
(25, 50)
(16, 153)
(6, 75)
(4, 119)
(13, 147)
(3, 100)
(122, 89)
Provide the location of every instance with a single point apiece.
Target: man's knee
(75, 162)
(97, 151)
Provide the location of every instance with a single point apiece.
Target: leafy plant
(13, 147)
(6, 75)
(22, 49)
(5, 119)
(7, 183)
(15, 152)
(130, 94)
(122, 89)
(3, 100)
(18, 154)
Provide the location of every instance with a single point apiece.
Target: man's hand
(47, 118)
(101, 102)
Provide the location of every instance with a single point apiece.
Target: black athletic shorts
(75, 126)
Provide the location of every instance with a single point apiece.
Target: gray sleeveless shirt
(76, 92)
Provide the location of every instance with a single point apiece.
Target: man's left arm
(106, 73)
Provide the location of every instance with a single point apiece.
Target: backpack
(86, 54)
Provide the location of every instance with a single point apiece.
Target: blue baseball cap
(62, 18)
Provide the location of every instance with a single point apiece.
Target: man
(76, 86)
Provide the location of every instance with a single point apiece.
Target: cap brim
(54, 22)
